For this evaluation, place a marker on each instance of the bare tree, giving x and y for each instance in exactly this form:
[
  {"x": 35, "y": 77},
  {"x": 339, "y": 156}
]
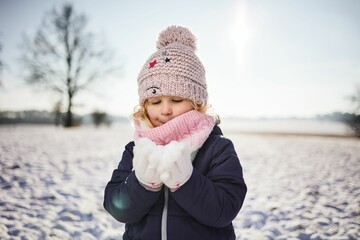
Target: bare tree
[
  {"x": 100, "y": 118},
  {"x": 354, "y": 119},
  {"x": 62, "y": 55},
  {"x": 355, "y": 98}
]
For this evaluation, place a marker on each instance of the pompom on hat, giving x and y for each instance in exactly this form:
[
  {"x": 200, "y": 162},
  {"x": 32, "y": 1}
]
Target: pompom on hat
[{"x": 174, "y": 69}]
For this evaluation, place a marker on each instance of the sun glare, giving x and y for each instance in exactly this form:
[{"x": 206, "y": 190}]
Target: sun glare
[{"x": 239, "y": 34}]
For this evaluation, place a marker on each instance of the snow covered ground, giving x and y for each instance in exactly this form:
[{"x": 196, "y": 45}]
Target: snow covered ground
[{"x": 52, "y": 182}]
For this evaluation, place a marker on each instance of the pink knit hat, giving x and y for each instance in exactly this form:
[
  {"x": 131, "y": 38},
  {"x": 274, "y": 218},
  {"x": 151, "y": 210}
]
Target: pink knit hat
[{"x": 174, "y": 69}]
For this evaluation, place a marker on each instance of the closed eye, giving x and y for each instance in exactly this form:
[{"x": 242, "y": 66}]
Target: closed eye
[
  {"x": 177, "y": 100},
  {"x": 155, "y": 102}
]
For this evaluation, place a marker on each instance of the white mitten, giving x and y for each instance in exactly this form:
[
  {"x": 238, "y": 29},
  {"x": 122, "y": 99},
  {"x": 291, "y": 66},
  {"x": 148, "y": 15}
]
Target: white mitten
[
  {"x": 146, "y": 159},
  {"x": 175, "y": 167}
]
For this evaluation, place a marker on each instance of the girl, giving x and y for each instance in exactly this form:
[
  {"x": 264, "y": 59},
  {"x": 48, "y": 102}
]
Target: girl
[{"x": 180, "y": 178}]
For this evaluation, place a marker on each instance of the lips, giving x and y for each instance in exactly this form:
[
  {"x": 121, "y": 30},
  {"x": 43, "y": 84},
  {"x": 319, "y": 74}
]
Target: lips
[{"x": 161, "y": 122}]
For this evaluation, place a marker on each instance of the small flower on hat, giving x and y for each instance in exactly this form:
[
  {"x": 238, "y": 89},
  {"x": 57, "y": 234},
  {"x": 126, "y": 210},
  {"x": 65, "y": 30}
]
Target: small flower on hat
[{"x": 152, "y": 64}]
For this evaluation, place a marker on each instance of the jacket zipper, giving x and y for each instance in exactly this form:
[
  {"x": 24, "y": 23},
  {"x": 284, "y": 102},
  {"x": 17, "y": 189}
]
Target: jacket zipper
[{"x": 164, "y": 214}]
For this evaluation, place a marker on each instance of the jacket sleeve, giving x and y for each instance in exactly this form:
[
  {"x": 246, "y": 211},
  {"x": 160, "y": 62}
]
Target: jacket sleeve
[
  {"x": 124, "y": 196},
  {"x": 214, "y": 199}
]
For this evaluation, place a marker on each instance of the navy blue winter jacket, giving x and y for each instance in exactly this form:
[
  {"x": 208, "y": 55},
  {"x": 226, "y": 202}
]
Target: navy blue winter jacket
[{"x": 203, "y": 208}]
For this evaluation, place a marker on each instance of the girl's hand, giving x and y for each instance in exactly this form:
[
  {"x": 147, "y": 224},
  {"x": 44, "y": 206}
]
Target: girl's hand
[
  {"x": 175, "y": 167},
  {"x": 146, "y": 159}
]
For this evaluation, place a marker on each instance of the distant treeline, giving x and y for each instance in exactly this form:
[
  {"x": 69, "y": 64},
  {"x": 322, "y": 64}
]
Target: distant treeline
[
  {"x": 351, "y": 119},
  {"x": 101, "y": 118},
  {"x": 337, "y": 116},
  {"x": 32, "y": 117},
  {"x": 45, "y": 117}
]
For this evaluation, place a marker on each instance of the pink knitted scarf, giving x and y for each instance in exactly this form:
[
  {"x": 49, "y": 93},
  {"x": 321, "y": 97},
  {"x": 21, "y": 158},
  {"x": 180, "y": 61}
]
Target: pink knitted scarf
[{"x": 192, "y": 127}]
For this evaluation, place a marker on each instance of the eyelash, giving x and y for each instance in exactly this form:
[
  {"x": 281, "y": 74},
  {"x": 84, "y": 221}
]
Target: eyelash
[{"x": 173, "y": 100}]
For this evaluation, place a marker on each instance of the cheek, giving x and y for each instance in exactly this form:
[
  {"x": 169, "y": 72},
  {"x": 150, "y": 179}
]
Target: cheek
[
  {"x": 152, "y": 113},
  {"x": 184, "y": 108}
]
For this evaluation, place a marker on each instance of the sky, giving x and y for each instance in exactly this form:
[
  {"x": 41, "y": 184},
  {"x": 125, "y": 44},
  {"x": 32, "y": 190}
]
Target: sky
[{"x": 263, "y": 58}]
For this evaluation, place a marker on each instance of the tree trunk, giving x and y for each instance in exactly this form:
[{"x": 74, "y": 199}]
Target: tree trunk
[{"x": 69, "y": 117}]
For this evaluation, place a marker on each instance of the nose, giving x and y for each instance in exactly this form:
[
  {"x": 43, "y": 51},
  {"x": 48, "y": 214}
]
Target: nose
[{"x": 166, "y": 109}]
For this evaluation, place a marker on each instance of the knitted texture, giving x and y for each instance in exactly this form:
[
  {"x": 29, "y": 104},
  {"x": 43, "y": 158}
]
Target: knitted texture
[
  {"x": 174, "y": 69},
  {"x": 191, "y": 127}
]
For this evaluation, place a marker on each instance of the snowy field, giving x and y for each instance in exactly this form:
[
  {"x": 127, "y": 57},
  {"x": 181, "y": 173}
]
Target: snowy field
[{"x": 52, "y": 182}]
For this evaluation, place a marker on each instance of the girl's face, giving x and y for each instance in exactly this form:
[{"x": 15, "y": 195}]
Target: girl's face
[{"x": 164, "y": 108}]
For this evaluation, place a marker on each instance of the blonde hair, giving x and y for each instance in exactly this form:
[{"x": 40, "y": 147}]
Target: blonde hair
[{"x": 140, "y": 113}]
